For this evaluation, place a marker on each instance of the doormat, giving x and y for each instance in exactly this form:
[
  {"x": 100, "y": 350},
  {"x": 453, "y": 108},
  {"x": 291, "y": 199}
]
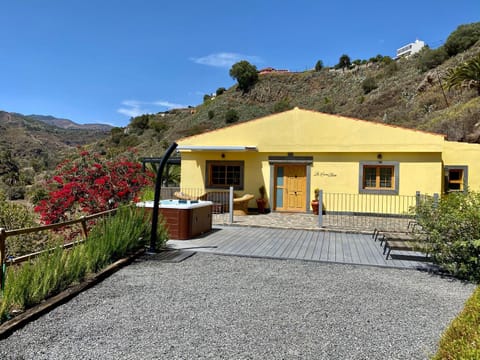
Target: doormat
[{"x": 173, "y": 256}]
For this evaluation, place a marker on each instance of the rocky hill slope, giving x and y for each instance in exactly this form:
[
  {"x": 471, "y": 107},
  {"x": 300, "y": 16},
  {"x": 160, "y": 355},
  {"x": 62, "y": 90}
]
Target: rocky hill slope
[{"x": 396, "y": 92}]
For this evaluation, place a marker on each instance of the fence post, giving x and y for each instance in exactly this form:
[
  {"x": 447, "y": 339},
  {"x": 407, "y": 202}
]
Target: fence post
[
  {"x": 84, "y": 227},
  {"x": 435, "y": 200},
  {"x": 320, "y": 208},
  {"x": 230, "y": 205},
  {"x": 417, "y": 199},
  {"x": 3, "y": 237}
]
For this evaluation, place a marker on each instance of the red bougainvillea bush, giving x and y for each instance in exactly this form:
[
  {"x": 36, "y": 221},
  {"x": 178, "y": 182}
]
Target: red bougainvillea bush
[{"x": 90, "y": 184}]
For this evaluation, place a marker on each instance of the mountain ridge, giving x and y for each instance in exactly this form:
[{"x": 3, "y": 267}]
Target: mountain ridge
[
  {"x": 29, "y": 140},
  {"x": 68, "y": 124}
]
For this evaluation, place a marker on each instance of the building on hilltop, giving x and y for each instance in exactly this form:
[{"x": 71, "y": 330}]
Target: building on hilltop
[
  {"x": 270, "y": 70},
  {"x": 410, "y": 49}
]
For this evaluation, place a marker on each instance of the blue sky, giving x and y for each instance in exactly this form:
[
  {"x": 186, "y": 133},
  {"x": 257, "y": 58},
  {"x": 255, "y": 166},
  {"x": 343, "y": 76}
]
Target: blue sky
[{"x": 108, "y": 60}]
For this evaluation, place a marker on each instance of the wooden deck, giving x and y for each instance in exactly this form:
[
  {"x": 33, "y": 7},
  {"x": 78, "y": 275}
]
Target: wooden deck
[{"x": 309, "y": 245}]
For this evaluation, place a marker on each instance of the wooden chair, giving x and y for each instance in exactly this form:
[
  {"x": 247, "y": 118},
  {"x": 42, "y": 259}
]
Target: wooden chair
[
  {"x": 182, "y": 196},
  {"x": 240, "y": 204}
]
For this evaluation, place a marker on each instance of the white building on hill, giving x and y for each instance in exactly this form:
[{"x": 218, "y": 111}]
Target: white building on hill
[{"x": 410, "y": 49}]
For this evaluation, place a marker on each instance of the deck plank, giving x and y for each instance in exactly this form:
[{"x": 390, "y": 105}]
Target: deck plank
[
  {"x": 268, "y": 242},
  {"x": 316, "y": 245},
  {"x": 300, "y": 246},
  {"x": 287, "y": 253},
  {"x": 309, "y": 246},
  {"x": 322, "y": 238},
  {"x": 346, "y": 242}
]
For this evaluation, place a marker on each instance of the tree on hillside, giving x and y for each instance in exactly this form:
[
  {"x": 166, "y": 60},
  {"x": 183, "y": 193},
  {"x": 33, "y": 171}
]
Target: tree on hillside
[
  {"x": 344, "y": 62},
  {"x": 140, "y": 122},
  {"x": 467, "y": 74},
  {"x": 245, "y": 73},
  {"x": 462, "y": 38},
  {"x": 430, "y": 58},
  {"x": 319, "y": 65}
]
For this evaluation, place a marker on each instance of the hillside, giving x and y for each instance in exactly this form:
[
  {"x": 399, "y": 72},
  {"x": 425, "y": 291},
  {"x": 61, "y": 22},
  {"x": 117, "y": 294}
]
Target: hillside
[
  {"x": 33, "y": 143},
  {"x": 402, "y": 95},
  {"x": 69, "y": 124}
]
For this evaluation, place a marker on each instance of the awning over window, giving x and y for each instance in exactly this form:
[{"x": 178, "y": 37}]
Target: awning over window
[{"x": 216, "y": 148}]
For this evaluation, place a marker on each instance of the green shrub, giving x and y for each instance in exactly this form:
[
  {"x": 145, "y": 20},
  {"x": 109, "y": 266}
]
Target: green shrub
[
  {"x": 462, "y": 38},
  {"x": 129, "y": 141},
  {"x": 140, "y": 122},
  {"x": 368, "y": 85},
  {"x": 327, "y": 107},
  {"x": 37, "y": 193},
  {"x": 428, "y": 59},
  {"x": 147, "y": 193},
  {"x": 282, "y": 105},
  {"x": 343, "y": 62},
  {"x": 391, "y": 68},
  {"x": 220, "y": 91},
  {"x": 157, "y": 124},
  {"x": 453, "y": 227},
  {"x": 319, "y": 65},
  {"x": 113, "y": 237},
  {"x": 17, "y": 216},
  {"x": 461, "y": 340},
  {"x": 231, "y": 116},
  {"x": 211, "y": 114},
  {"x": 34, "y": 281},
  {"x": 16, "y": 192}
]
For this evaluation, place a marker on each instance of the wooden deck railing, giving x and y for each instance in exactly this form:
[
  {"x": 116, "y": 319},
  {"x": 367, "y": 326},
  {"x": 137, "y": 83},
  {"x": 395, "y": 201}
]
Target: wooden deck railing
[{"x": 4, "y": 234}]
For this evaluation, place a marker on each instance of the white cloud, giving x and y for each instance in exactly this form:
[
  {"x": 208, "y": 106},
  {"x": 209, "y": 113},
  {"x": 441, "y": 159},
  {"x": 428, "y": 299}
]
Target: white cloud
[
  {"x": 224, "y": 59},
  {"x": 168, "y": 104},
  {"x": 133, "y": 108},
  {"x": 133, "y": 112}
]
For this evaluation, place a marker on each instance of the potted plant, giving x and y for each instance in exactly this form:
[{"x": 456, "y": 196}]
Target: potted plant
[
  {"x": 315, "y": 202},
  {"x": 261, "y": 201}
]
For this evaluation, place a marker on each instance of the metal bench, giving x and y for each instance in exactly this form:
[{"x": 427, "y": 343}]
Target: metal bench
[{"x": 404, "y": 245}]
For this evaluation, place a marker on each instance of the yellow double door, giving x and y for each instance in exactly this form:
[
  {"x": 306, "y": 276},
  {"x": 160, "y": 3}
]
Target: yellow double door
[{"x": 290, "y": 188}]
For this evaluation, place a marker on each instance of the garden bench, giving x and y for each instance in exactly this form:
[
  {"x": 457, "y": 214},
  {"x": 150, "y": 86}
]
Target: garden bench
[
  {"x": 410, "y": 229},
  {"x": 409, "y": 240},
  {"x": 404, "y": 245}
]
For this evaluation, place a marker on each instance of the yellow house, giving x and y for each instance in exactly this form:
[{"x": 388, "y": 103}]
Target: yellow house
[{"x": 294, "y": 152}]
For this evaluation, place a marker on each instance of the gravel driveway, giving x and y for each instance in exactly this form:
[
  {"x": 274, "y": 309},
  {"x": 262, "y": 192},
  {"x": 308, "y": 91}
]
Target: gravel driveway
[{"x": 225, "y": 307}]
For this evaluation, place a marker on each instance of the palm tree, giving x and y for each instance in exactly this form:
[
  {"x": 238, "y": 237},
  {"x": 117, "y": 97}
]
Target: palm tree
[{"x": 467, "y": 74}]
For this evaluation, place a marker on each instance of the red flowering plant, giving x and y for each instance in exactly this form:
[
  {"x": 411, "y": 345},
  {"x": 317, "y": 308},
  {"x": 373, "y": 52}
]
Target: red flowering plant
[{"x": 90, "y": 184}]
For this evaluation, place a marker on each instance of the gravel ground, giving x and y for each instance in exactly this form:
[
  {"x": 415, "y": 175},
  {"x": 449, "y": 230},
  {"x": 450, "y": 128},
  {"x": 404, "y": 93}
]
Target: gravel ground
[{"x": 225, "y": 307}]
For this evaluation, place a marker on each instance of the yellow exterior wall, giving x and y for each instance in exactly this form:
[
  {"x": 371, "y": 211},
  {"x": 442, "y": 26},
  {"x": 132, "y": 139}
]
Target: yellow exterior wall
[
  {"x": 339, "y": 173},
  {"x": 337, "y": 145},
  {"x": 464, "y": 154},
  {"x": 306, "y": 131}
]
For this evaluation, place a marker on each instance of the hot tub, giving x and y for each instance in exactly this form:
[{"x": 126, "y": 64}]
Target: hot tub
[{"x": 184, "y": 219}]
